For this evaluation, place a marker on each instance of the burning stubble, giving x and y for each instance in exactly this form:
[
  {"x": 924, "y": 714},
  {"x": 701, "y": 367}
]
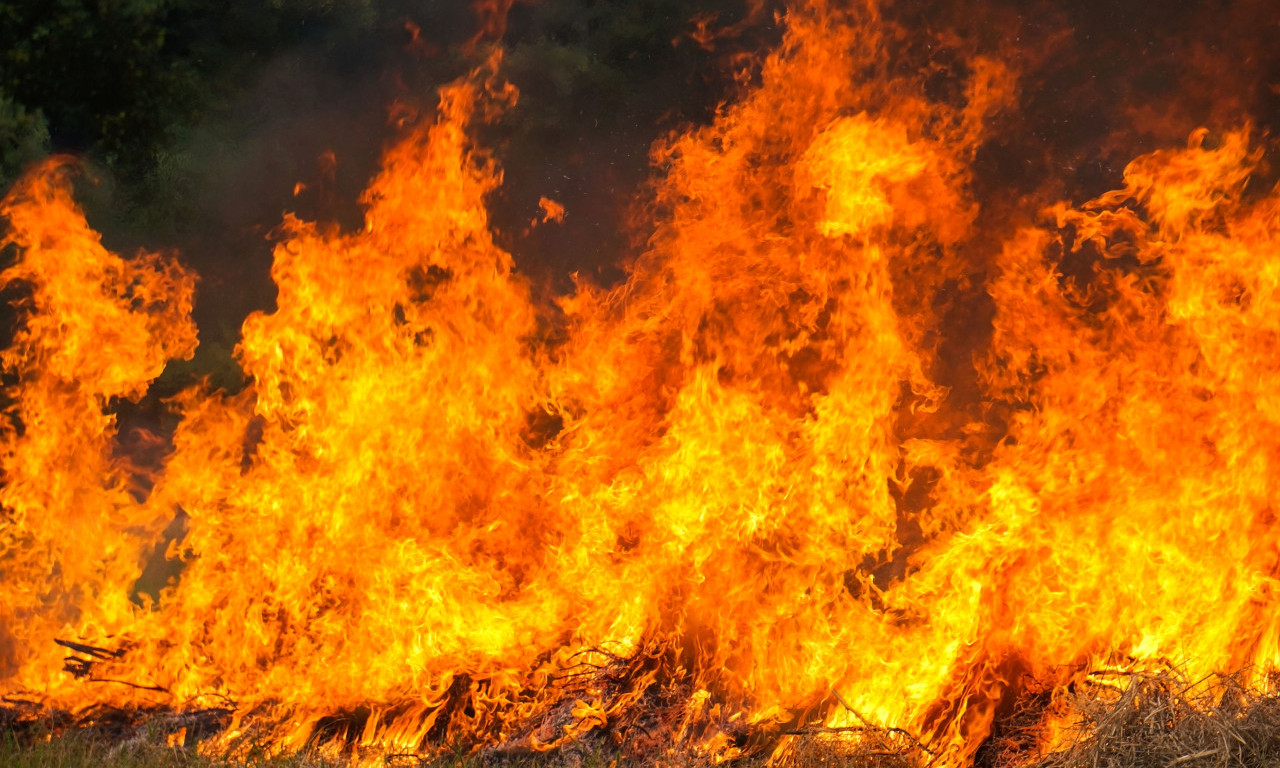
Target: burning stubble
[{"x": 856, "y": 420}]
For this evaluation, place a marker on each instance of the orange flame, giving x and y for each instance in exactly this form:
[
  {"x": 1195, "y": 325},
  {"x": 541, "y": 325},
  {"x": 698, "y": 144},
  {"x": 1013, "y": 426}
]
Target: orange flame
[
  {"x": 551, "y": 211},
  {"x": 756, "y": 472},
  {"x": 97, "y": 328}
]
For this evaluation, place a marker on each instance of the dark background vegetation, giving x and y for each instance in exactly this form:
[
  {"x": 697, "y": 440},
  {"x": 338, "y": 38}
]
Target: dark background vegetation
[{"x": 197, "y": 117}]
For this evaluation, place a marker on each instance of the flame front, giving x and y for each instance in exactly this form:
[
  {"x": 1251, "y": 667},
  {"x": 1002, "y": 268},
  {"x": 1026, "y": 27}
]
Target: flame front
[{"x": 777, "y": 461}]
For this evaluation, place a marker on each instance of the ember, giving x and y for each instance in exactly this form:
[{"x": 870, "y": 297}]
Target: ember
[{"x": 855, "y": 450}]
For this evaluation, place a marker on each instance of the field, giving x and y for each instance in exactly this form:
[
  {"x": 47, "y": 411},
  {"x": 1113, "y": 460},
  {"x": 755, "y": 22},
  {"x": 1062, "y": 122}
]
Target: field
[
  {"x": 89, "y": 750},
  {"x": 1155, "y": 721},
  {"x": 906, "y": 394}
]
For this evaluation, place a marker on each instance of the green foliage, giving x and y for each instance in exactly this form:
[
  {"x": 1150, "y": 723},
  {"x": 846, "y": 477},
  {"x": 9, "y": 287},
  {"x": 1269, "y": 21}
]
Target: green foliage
[
  {"x": 198, "y": 116},
  {"x": 24, "y": 139},
  {"x": 614, "y": 63},
  {"x": 98, "y": 71},
  {"x": 117, "y": 78},
  {"x": 122, "y": 80}
]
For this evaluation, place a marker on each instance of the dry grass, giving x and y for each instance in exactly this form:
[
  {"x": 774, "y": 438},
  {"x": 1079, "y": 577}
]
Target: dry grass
[
  {"x": 1135, "y": 721},
  {"x": 1132, "y": 721},
  {"x": 151, "y": 745},
  {"x": 1165, "y": 721},
  {"x": 862, "y": 748}
]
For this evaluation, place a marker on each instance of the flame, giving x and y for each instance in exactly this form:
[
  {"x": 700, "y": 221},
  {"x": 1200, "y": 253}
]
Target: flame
[
  {"x": 767, "y": 482},
  {"x": 551, "y": 211},
  {"x": 97, "y": 329}
]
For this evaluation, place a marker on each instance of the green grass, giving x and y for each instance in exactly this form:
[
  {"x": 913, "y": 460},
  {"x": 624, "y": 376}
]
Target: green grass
[
  {"x": 96, "y": 748},
  {"x": 87, "y": 749}
]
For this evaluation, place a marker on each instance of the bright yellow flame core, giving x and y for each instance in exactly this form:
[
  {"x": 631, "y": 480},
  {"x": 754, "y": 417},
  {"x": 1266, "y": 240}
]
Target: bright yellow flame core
[{"x": 384, "y": 518}]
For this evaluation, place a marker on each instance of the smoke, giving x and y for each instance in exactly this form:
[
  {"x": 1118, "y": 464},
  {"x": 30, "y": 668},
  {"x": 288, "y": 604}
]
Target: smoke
[{"x": 302, "y": 128}]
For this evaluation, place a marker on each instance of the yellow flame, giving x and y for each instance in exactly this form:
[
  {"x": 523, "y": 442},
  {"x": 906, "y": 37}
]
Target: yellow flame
[{"x": 742, "y": 479}]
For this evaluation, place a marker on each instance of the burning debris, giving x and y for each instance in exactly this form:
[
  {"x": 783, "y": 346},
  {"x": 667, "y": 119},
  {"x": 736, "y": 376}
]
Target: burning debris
[{"x": 858, "y": 421}]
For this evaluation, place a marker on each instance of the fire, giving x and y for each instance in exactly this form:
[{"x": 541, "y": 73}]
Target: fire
[
  {"x": 766, "y": 483},
  {"x": 97, "y": 328}
]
